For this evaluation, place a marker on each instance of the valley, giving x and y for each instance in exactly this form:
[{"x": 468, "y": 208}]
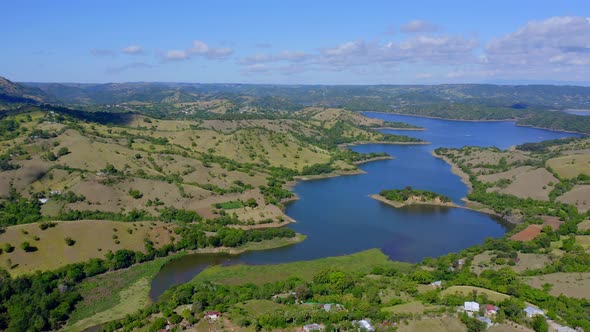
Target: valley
[{"x": 256, "y": 203}]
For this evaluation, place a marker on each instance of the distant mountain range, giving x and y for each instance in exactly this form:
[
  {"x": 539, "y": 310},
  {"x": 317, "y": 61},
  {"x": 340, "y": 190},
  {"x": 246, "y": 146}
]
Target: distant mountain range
[
  {"x": 376, "y": 97},
  {"x": 11, "y": 92}
]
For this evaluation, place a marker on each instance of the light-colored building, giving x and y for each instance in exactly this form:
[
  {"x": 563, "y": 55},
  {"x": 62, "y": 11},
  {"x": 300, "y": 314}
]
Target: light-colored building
[
  {"x": 471, "y": 306},
  {"x": 366, "y": 325},
  {"x": 212, "y": 315},
  {"x": 532, "y": 311}
]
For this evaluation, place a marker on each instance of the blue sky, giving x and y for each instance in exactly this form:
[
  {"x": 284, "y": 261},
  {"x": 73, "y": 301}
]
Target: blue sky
[{"x": 296, "y": 42}]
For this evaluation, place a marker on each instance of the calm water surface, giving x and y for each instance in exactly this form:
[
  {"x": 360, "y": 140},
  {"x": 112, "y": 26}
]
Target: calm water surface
[
  {"x": 339, "y": 218},
  {"x": 578, "y": 112}
]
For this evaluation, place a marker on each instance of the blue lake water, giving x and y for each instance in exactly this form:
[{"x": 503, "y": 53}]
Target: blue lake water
[
  {"x": 578, "y": 112},
  {"x": 339, "y": 217}
]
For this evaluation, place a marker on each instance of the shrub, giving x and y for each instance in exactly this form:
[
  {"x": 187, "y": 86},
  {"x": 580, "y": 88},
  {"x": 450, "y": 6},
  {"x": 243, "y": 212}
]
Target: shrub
[
  {"x": 8, "y": 247},
  {"x": 69, "y": 241},
  {"x": 135, "y": 194},
  {"x": 62, "y": 152},
  {"x": 175, "y": 319},
  {"x": 26, "y": 246},
  {"x": 45, "y": 225}
]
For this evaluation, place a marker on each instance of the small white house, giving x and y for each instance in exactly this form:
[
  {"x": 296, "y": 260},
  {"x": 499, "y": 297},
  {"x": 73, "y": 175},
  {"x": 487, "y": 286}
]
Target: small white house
[
  {"x": 212, "y": 315},
  {"x": 364, "y": 324},
  {"x": 532, "y": 311},
  {"x": 437, "y": 284},
  {"x": 471, "y": 306},
  {"x": 43, "y": 200}
]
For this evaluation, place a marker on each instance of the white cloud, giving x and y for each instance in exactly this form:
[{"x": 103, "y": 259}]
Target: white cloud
[
  {"x": 415, "y": 26},
  {"x": 133, "y": 49},
  {"x": 557, "y": 48},
  {"x": 563, "y": 41},
  {"x": 176, "y": 55},
  {"x": 365, "y": 56},
  {"x": 436, "y": 50},
  {"x": 346, "y": 49},
  {"x": 200, "y": 48}
]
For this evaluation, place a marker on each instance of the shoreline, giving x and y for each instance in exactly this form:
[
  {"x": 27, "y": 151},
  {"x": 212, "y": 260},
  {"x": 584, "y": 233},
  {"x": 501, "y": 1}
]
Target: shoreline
[
  {"x": 557, "y": 130},
  {"x": 398, "y": 205},
  {"x": 441, "y": 118},
  {"x": 475, "y": 206},
  {"x": 478, "y": 207},
  {"x": 250, "y": 246},
  {"x": 508, "y": 218},
  {"x": 360, "y": 162},
  {"x": 483, "y": 120},
  {"x": 327, "y": 175},
  {"x": 289, "y": 185},
  {"x": 383, "y": 142},
  {"x": 401, "y": 129},
  {"x": 457, "y": 171}
]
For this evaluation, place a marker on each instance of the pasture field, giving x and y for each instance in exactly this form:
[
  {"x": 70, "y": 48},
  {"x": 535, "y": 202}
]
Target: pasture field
[
  {"x": 468, "y": 290},
  {"x": 526, "y": 261},
  {"x": 534, "y": 183},
  {"x": 570, "y": 166},
  {"x": 93, "y": 239},
  {"x": 442, "y": 324},
  {"x": 364, "y": 261},
  {"x": 578, "y": 196},
  {"x": 114, "y": 294},
  {"x": 570, "y": 284},
  {"x": 413, "y": 307}
]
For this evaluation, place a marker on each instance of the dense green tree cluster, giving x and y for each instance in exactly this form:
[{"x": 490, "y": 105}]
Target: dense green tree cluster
[
  {"x": 558, "y": 121},
  {"x": 69, "y": 197},
  {"x": 542, "y": 147},
  {"x": 174, "y": 214},
  {"x": 16, "y": 209},
  {"x": 353, "y": 156},
  {"x": 402, "y": 195},
  {"x": 35, "y": 303},
  {"x": 134, "y": 215},
  {"x": 9, "y": 129},
  {"x": 274, "y": 192},
  {"x": 317, "y": 169}
]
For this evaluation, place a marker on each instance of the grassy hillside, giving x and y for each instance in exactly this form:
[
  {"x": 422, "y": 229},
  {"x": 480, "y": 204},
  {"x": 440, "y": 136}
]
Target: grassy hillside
[
  {"x": 91, "y": 239},
  {"x": 60, "y": 164},
  {"x": 551, "y": 171}
]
